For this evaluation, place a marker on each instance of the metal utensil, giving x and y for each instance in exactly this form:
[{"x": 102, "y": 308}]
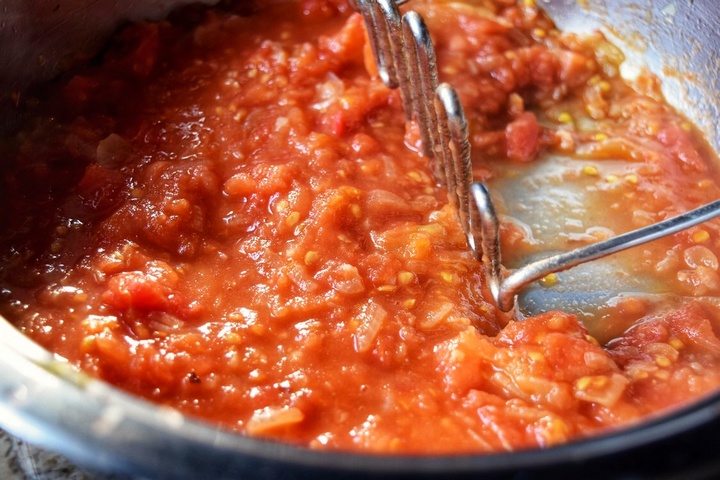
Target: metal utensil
[{"x": 406, "y": 59}]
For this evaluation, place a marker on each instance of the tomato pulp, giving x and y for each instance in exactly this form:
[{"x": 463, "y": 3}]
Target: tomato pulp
[{"x": 227, "y": 214}]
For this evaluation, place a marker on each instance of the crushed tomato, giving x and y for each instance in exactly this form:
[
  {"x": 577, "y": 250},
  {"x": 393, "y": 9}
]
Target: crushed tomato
[{"x": 222, "y": 215}]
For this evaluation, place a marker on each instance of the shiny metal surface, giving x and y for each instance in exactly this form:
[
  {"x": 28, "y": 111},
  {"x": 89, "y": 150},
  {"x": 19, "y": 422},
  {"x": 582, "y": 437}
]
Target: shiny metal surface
[
  {"x": 676, "y": 39},
  {"x": 41, "y": 38},
  {"x": 505, "y": 290},
  {"x": 50, "y": 405}
]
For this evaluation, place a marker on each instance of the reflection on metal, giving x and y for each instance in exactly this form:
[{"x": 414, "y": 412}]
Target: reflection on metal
[
  {"x": 505, "y": 290},
  {"x": 677, "y": 40}
]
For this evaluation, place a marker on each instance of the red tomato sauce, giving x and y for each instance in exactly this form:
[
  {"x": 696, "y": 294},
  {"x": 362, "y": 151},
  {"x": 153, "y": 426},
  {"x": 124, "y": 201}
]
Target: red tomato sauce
[{"x": 222, "y": 214}]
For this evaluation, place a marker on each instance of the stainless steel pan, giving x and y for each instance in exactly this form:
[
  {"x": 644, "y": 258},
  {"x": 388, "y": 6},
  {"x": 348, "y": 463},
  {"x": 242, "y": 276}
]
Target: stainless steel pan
[{"x": 47, "y": 404}]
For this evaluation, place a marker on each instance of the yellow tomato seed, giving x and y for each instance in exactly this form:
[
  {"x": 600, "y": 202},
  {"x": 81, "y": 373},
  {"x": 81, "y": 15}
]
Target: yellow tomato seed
[
  {"x": 409, "y": 303},
  {"x": 311, "y": 257},
  {"x": 700, "y": 236},
  {"x": 676, "y": 343},
  {"x": 448, "y": 277},
  {"x": 558, "y": 322},
  {"x": 405, "y": 278},
  {"x": 583, "y": 383},
  {"x": 565, "y": 117},
  {"x": 536, "y": 356},
  {"x": 590, "y": 170},
  {"x": 549, "y": 280},
  {"x": 292, "y": 219},
  {"x": 662, "y": 361},
  {"x": 415, "y": 176}
]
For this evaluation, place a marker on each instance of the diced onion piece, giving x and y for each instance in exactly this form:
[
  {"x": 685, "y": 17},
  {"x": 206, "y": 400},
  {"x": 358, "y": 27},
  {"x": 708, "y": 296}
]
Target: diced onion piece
[
  {"x": 602, "y": 389},
  {"x": 384, "y": 202},
  {"x": 113, "y": 151},
  {"x": 698, "y": 255},
  {"x": 161, "y": 321},
  {"x": 371, "y": 319},
  {"x": 346, "y": 279},
  {"x": 272, "y": 418},
  {"x": 437, "y": 314}
]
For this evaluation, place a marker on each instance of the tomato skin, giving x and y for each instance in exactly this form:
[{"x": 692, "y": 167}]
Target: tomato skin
[
  {"x": 523, "y": 138},
  {"x": 136, "y": 291}
]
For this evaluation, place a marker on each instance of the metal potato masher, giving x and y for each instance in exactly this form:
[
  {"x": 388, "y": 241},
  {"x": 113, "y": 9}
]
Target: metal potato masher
[{"x": 405, "y": 58}]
